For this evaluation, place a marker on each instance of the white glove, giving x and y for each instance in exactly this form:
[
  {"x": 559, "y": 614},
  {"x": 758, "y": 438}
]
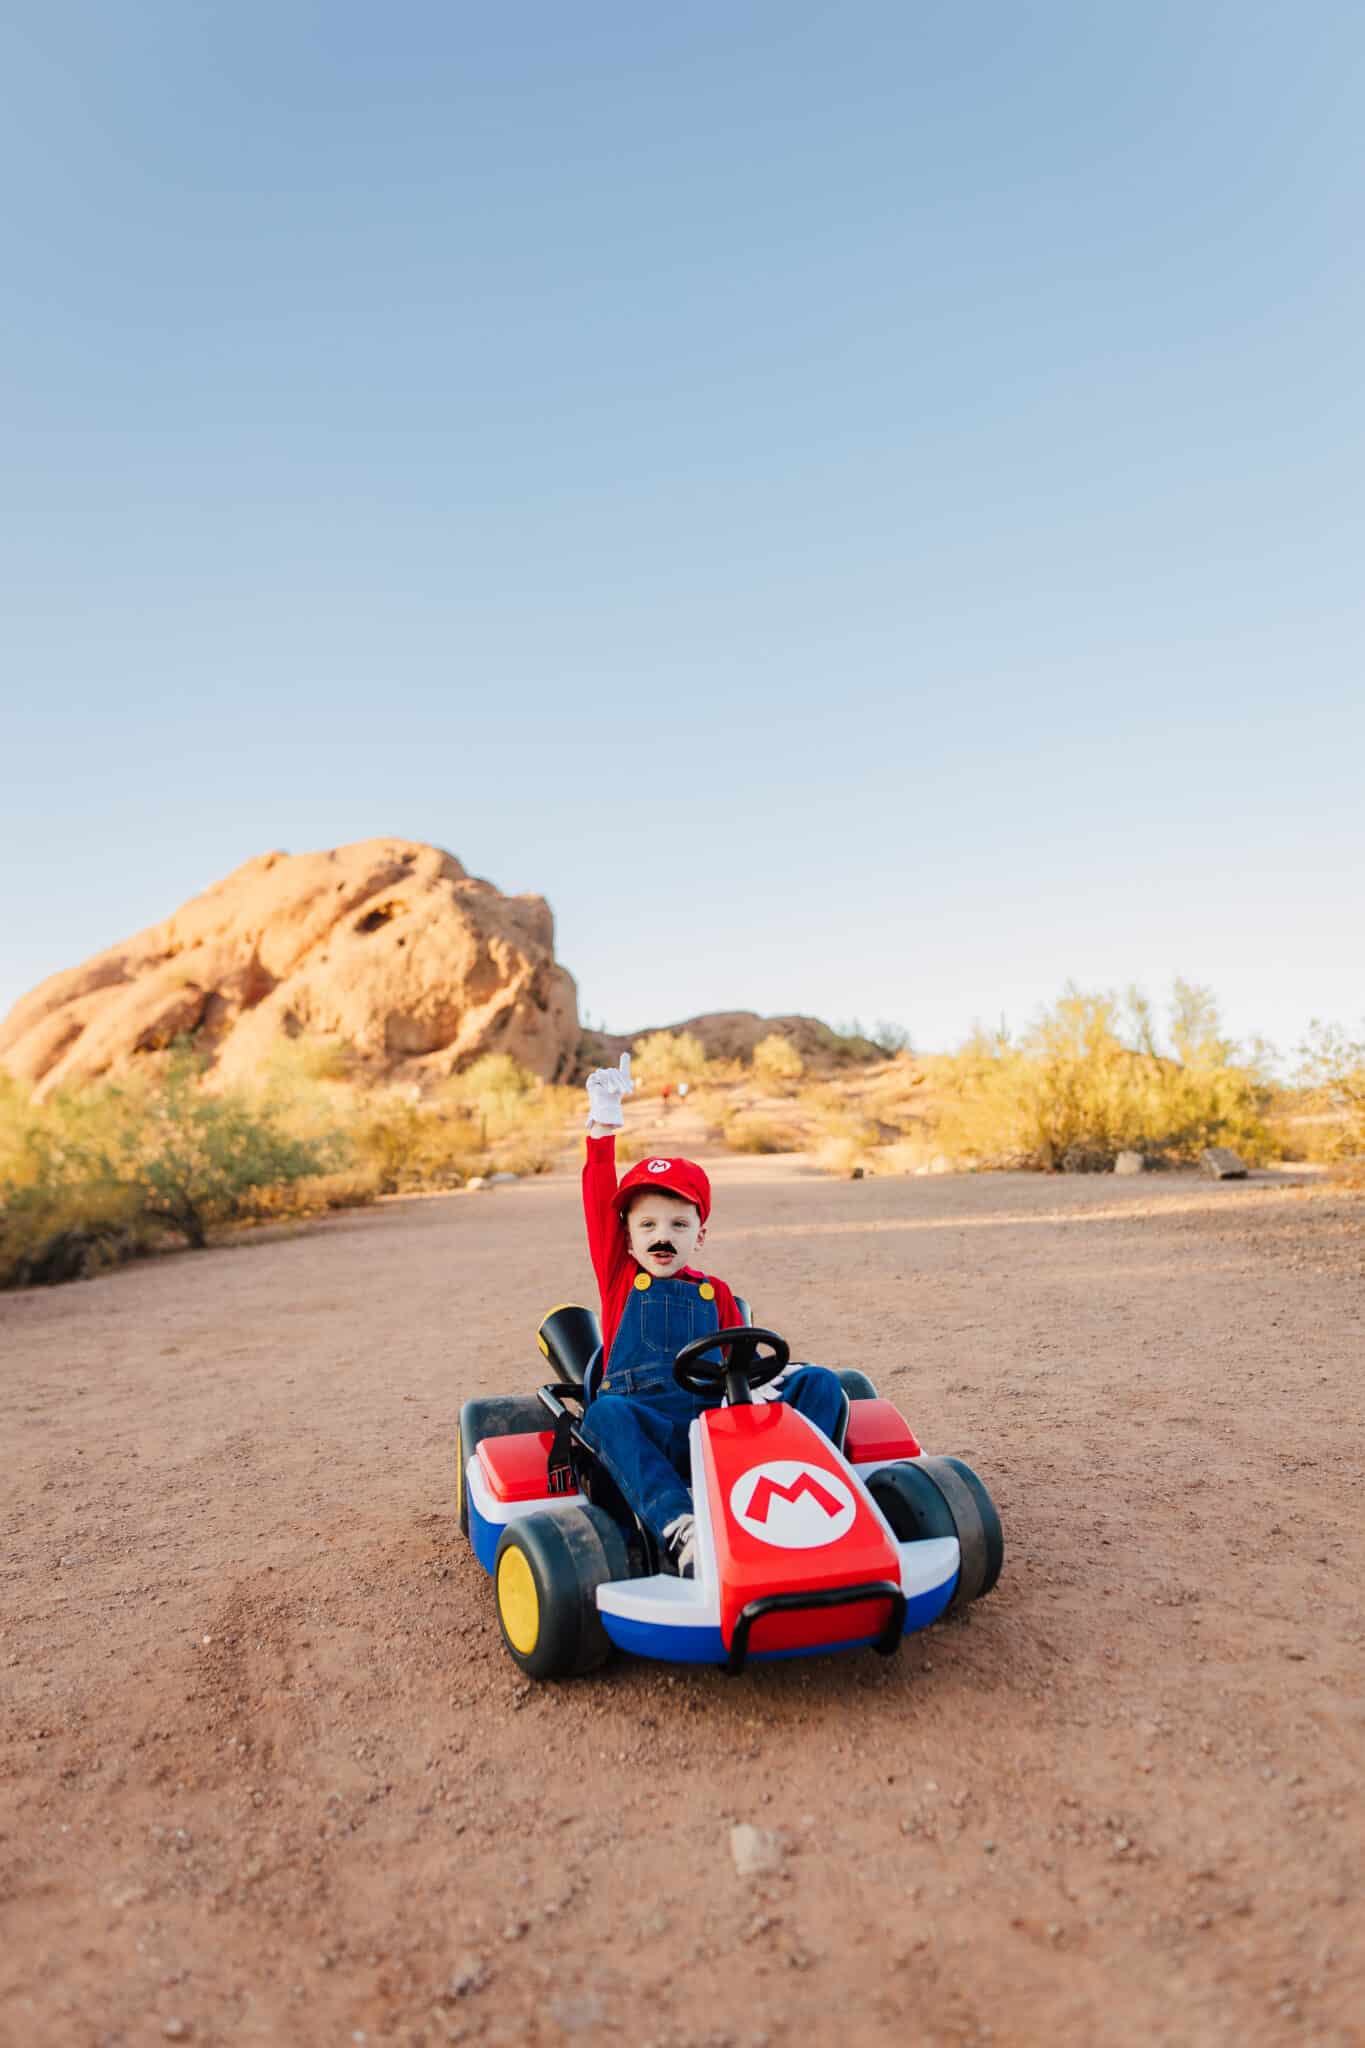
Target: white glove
[{"x": 606, "y": 1088}]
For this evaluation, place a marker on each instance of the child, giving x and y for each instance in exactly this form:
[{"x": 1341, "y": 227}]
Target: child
[{"x": 641, "y": 1236}]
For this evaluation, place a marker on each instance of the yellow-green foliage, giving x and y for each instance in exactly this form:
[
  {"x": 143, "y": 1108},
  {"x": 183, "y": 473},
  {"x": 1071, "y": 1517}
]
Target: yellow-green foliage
[
  {"x": 494, "y": 1115},
  {"x": 89, "y": 1178},
  {"x": 86, "y": 1179},
  {"x": 522, "y": 1121},
  {"x": 846, "y": 1137},
  {"x": 494, "y": 1085},
  {"x": 746, "y": 1132},
  {"x": 402, "y": 1145},
  {"x": 1332, "y": 1073},
  {"x": 667, "y": 1057},
  {"x": 777, "y": 1061},
  {"x": 1088, "y": 1082}
]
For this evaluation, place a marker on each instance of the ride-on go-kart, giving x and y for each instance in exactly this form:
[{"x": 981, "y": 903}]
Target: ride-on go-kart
[{"x": 803, "y": 1544}]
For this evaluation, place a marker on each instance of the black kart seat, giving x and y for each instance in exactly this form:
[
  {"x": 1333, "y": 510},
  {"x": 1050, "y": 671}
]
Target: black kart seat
[
  {"x": 746, "y": 1314},
  {"x": 568, "y": 1337}
]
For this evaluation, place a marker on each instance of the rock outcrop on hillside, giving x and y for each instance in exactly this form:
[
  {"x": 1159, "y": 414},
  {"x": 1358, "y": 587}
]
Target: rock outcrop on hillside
[
  {"x": 388, "y": 946},
  {"x": 732, "y": 1035}
]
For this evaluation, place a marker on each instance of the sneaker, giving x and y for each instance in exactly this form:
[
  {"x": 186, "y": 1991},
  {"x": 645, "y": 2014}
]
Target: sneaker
[{"x": 680, "y": 1539}]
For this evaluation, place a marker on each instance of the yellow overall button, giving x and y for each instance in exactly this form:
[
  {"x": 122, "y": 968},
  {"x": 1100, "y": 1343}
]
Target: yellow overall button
[
  {"x": 642, "y": 1280},
  {"x": 707, "y": 1291}
]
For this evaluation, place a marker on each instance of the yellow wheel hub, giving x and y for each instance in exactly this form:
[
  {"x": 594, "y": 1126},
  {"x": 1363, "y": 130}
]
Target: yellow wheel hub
[
  {"x": 459, "y": 1472},
  {"x": 518, "y": 1601}
]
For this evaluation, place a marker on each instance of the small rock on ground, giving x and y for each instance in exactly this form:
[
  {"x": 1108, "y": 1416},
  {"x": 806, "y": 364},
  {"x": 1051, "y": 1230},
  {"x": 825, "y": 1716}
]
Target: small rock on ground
[{"x": 755, "y": 1850}]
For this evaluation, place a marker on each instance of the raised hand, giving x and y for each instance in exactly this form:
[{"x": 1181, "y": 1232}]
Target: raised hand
[{"x": 607, "y": 1086}]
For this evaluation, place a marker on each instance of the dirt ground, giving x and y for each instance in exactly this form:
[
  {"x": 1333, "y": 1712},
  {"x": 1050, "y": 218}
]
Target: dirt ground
[{"x": 270, "y": 1776}]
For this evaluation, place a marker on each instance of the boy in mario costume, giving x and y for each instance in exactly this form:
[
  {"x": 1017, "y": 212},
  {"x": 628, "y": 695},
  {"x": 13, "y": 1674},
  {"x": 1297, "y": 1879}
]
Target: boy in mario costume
[{"x": 642, "y": 1235}]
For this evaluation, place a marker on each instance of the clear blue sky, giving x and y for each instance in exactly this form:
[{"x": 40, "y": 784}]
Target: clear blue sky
[{"x": 860, "y": 506}]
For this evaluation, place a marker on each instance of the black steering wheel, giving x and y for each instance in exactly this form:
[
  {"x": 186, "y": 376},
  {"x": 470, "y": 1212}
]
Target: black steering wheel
[{"x": 698, "y": 1374}]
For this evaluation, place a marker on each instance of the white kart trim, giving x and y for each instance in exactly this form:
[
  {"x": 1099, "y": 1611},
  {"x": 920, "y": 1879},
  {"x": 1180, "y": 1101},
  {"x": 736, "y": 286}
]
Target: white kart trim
[
  {"x": 928, "y": 1564},
  {"x": 500, "y": 1511},
  {"x": 666, "y": 1602},
  {"x": 662, "y": 1600}
]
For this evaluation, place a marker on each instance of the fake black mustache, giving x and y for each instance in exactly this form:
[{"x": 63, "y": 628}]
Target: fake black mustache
[{"x": 664, "y": 1246}]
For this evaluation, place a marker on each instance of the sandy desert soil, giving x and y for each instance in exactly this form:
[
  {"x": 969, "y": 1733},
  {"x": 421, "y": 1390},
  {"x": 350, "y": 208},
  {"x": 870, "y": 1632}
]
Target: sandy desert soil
[{"x": 269, "y": 1775}]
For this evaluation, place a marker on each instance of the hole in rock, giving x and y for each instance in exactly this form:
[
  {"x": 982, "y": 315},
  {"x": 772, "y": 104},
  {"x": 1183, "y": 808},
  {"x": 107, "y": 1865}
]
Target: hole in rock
[{"x": 380, "y": 915}]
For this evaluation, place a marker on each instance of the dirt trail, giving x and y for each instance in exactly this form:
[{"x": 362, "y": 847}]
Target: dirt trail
[{"x": 270, "y": 1777}]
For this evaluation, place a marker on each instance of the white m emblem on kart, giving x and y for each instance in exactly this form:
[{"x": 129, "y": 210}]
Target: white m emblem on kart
[{"x": 792, "y": 1505}]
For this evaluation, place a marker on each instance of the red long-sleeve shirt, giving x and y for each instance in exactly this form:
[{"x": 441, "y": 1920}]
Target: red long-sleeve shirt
[{"x": 612, "y": 1260}]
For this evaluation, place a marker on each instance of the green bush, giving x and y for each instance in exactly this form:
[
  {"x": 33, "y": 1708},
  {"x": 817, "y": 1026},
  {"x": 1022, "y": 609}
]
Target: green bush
[
  {"x": 1089, "y": 1082},
  {"x": 494, "y": 1115},
  {"x": 1332, "y": 1074},
  {"x": 197, "y": 1158},
  {"x": 521, "y": 1122},
  {"x": 663, "y": 1058},
  {"x": 777, "y": 1061},
  {"x": 89, "y": 1178},
  {"x": 848, "y": 1043},
  {"x": 495, "y": 1082},
  {"x": 403, "y": 1145},
  {"x": 747, "y": 1133}
]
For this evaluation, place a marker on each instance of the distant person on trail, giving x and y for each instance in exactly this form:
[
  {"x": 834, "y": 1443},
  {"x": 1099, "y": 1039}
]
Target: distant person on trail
[{"x": 642, "y": 1234}]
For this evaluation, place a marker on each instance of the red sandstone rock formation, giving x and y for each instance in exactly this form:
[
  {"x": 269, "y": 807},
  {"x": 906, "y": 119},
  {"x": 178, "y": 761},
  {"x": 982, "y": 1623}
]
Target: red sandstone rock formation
[{"x": 388, "y": 946}]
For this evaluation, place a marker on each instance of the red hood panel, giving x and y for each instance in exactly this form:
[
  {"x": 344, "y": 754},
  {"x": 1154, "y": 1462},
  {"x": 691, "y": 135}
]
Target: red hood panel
[{"x": 788, "y": 1518}]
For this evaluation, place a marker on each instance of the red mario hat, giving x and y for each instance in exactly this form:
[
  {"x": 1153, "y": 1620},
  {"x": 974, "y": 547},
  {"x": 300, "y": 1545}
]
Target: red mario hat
[{"x": 680, "y": 1176}]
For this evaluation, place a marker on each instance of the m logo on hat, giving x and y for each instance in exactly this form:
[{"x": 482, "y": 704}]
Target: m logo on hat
[{"x": 681, "y": 1177}]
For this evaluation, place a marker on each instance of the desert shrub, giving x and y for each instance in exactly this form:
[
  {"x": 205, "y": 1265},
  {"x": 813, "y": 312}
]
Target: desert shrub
[
  {"x": 494, "y": 1115},
  {"x": 777, "y": 1061},
  {"x": 892, "y": 1095},
  {"x": 909, "y": 1156},
  {"x": 404, "y": 1145},
  {"x": 495, "y": 1082},
  {"x": 534, "y": 1139},
  {"x": 749, "y": 1133},
  {"x": 513, "y": 1119},
  {"x": 90, "y": 1177},
  {"x": 1331, "y": 1073},
  {"x": 889, "y": 1037},
  {"x": 54, "y": 1231},
  {"x": 844, "y": 1135},
  {"x": 294, "y": 1065},
  {"x": 1088, "y": 1082},
  {"x": 847, "y": 1043},
  {"x": 842, "y": 1152},
  {"x": 351, "y": 1188},
  {"x": 666, "y": 1057},
  {"x": 197, "y": 1158}
]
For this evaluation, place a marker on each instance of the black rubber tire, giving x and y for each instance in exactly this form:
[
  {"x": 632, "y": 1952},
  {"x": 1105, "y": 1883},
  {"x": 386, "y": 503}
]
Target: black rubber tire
[
  {"x": 944, "y": 1497},
  {"x": 989, "y": 1513},
  {"x": 911, "y": 1502},
  {"x": 498, "y": 1415},
  {"x": 857, "y": 1385},
  {"x": 568, "y": 1553}
]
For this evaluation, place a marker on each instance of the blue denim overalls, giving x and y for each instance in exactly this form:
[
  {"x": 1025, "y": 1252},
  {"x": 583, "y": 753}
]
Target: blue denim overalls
[{"x": 638, "y": 1421}]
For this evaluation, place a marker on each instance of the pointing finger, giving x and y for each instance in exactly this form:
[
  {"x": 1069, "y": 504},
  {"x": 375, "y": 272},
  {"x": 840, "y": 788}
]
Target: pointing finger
[{"x": 625, "y": 1068}]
